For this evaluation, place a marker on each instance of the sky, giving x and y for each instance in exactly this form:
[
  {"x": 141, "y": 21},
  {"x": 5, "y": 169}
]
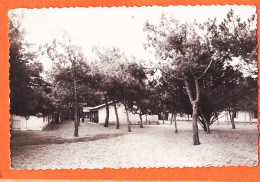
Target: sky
[{"x": 120, "y": 27}]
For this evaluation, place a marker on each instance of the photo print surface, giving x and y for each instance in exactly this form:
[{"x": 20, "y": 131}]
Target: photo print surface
[{"x": 133, "y": 87}]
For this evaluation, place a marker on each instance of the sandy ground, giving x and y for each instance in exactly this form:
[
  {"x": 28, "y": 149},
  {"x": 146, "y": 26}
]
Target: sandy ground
[{"x": 152, "y": 146}]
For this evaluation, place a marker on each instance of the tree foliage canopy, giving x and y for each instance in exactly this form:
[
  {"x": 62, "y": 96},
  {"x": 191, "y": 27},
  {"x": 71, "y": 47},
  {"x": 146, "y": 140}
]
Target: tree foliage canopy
[{"x": 30, "y": 94}]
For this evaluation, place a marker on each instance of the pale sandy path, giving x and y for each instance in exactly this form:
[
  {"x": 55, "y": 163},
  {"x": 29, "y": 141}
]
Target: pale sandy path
[{"x": 152, "y": 146}]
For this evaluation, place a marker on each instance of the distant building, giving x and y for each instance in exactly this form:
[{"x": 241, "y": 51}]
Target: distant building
[
  {"x": 98, "y": 114},
  {"x": 32, "y": 123},
  {"x": 181, "y": 117},
  {"x": 240, "y": 116}
]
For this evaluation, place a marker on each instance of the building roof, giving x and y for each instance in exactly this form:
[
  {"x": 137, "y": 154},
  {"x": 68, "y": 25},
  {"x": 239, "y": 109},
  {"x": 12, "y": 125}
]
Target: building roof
[{"x": 100, "y": 106}]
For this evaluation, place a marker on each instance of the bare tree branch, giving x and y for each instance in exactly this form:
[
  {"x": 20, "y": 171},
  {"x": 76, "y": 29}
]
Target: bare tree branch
[
  {"x": 205, "y": 71},
  {"x": 197, "y": 89}
]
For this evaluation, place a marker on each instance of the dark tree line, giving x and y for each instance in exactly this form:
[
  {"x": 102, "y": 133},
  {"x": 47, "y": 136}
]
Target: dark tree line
[{"x": 29, "y": 92}]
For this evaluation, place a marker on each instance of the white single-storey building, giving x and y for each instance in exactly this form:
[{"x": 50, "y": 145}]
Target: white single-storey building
[
  {"x": 32, "y": 123},
  {"x": 181, "y": 117},
  {"x": 240, "y": 116},
  {"x": 98, "y": 115}
]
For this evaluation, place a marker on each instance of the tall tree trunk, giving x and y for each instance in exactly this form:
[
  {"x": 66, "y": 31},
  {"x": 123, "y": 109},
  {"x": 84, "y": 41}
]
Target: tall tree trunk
[
  {"x": 208, "y": 128},
  {"x": 78, "y": 114},
  {"x": 90, "y": 117},
  {"x": 83, "y": 116},
  {"x": 126, "y": 111},
  {"x": 76, "y": 129},
  {"x": 206, "y": 123},
  {"x": 117, "y": 118},
  {"x": 146, "y": 121},
  {"x": 172, "y": 118},
  {"x": 163, "y": 117},
  {"x": 107, "y": 112},
  {"x": 128, "y": 120},
  {"x": 250, "y": 118},
  {"x": 141, "y": 120},
  {"x": 194, "y": 110},
  {"x": 175, "y": 122},
  {"x": 195, "y": 124},
  {"x": 203, "y": 124},
  {"x": 232, "y": 118}
]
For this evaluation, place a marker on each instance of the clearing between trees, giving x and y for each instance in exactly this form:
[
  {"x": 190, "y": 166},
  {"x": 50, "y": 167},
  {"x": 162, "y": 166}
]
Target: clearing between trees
[{"x": 151, "y": 146}]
